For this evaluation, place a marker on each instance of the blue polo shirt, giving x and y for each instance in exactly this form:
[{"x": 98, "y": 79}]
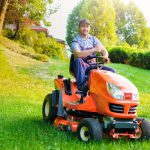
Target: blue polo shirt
[{"x": 84, "y": 44}]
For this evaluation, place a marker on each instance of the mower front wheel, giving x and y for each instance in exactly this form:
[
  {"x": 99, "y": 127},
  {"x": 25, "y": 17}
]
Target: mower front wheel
[
  {"x": 143, "y": 129},
  {"x": 89, "y": 129},
  {"x": 49, "y": 112}
]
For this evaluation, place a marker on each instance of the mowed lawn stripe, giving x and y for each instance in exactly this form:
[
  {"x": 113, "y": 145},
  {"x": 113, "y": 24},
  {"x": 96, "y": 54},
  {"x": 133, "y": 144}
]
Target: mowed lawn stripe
[{"x": 22, "y": 90}]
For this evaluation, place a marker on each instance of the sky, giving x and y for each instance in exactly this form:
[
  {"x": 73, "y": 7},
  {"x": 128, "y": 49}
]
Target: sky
[{"x": 59, "y": 19}]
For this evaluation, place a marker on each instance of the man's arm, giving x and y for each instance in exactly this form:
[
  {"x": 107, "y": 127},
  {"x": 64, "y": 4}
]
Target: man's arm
[
  {"x": 101, "y": 49},
  {"x": 79, "y": 53},
  {"x": 104, "y": 51}
]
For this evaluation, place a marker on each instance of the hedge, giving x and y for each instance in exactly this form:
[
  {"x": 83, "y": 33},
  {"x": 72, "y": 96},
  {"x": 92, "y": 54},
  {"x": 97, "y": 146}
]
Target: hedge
[{"x": 132, "y": 56}]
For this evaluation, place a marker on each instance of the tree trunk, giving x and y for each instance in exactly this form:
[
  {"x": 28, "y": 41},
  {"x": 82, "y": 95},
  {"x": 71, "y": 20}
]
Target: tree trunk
[{"x": 3, "y": 8}]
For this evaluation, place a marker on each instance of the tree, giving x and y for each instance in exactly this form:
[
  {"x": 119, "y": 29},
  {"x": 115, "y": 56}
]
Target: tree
[
  {"x": 131, "y": 24},
  {"x": 112, "y": 21},
  {"x": 33, "y": 9},
  {"x": 144, "y": 40},
  {"x": 72, "y": 24},
  {"x": 3, "y": 8},
  {"x": 120, "y": 10},
  {"x": 102, "y": 16}
]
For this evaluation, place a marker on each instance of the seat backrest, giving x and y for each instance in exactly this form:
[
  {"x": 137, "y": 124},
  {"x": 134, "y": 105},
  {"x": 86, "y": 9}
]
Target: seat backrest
[{"x": 71, "y": 70}]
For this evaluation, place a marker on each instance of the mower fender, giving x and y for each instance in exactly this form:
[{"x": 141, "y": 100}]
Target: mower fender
[{"x": 61, "y": 112}]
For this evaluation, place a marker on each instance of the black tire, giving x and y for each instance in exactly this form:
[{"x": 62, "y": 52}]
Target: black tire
[
  {"x": 49, "y": 112},
  {"x": 89, "y": 130},
  {"x": 144, "y": 129}
]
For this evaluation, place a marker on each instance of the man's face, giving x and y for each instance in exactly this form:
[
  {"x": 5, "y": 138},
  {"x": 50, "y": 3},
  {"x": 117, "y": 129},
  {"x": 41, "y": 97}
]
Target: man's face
[{"x": 84, "y": 29}]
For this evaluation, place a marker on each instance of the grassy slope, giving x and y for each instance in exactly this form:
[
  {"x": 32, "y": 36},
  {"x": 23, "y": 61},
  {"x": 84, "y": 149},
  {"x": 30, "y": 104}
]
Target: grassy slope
[
  {"x": 22, "y": 49},
  {"x": 23, "y": 84}
]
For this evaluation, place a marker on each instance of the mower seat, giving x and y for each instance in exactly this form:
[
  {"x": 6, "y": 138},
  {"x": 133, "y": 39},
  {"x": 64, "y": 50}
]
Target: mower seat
[{"x": 71, "y": 70}]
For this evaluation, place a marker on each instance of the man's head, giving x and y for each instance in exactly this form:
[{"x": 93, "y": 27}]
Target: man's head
[{"x": 84, "y": 27}]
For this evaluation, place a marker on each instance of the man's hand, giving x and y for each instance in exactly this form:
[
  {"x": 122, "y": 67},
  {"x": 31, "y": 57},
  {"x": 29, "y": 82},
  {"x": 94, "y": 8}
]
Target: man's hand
[
  {"x": 106, "y": 59},
  {"x": 103, "y": 51}
]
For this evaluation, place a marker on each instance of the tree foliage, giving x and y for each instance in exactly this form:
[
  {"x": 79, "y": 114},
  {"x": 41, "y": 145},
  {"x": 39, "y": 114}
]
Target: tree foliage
[
  {"x": 112, "y": 22},
  {"x": 72, "y": 24},
  {"x": 102, "y": 17},
  {"x": 131, "y": 24},
  {"x": 33, "y": 9}
]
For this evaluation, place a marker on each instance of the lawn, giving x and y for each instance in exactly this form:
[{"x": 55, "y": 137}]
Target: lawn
[{"x": 24, "y": 82}]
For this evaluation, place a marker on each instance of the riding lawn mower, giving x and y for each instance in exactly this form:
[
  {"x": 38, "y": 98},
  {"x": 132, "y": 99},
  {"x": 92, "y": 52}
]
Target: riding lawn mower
[{"x": 107, "y": 106}]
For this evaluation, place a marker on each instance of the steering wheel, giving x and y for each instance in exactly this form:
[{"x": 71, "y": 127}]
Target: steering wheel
[{"x": 99, "y": 62}]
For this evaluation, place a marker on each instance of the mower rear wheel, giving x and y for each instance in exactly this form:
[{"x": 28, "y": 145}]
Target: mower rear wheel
[
  {"x": 89, "y": 129},
  {"x": 49, "y": 112},
  {"x": 143, "y": 129}
]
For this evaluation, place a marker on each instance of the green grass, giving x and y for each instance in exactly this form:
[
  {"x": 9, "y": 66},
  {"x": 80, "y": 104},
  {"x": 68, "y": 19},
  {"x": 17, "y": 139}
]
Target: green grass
[{"x": 24, "y": 82}]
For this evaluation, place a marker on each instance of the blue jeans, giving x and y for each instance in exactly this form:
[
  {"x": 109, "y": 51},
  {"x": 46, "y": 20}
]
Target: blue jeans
[{"x": 79, "y": 68}]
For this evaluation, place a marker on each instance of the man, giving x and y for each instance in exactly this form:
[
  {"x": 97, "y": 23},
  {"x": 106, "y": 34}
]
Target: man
[{"x": 84, "y": 45}]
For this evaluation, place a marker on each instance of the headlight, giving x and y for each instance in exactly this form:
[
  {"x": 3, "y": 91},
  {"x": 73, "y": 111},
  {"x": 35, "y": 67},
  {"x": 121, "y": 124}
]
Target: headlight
[
  {"x": 115, "y": 91},
  {"x": 135, "y": 94}
]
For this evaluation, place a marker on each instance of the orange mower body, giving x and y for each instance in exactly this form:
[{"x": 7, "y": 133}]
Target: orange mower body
[{"x": 108, "y": 109}]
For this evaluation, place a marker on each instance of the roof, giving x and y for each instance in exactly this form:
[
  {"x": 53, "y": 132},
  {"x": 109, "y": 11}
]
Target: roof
[{"x": 39, "y": 28}]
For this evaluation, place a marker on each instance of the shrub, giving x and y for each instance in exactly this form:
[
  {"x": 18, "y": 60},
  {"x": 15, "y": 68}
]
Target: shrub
[
  {"x": 130, "y": 55},
  {"x": 147, "y": 60},
  {"x": 141, "y": 60},
  {"x": 118, "y": 55},
  {"x": 28, "y": 37},
  {"x": 42, "y": 44},
  {"x": 8, "y": 33}
]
